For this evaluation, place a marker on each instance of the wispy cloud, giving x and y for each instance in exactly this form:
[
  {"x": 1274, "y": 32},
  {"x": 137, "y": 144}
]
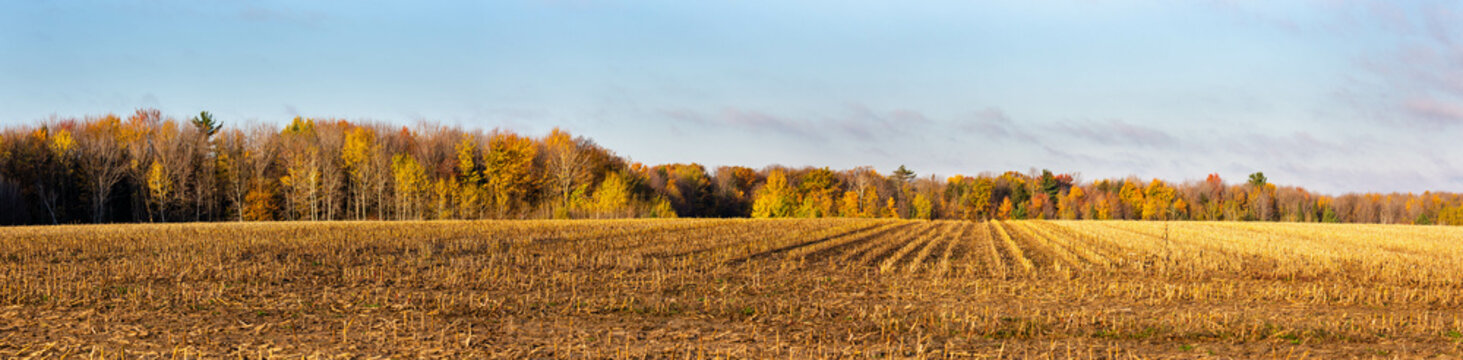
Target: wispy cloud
[
  {"x": 993, "y": 124},
  {"x": 1117, "y": 132},
  {"x": 864, "y": 123},
  {"x": 1264, "y": 148},
  {"x": 679, "y": 116},
  {"x": 1436, "y": 113},
  {"x": 1417, "y": 76},
  {"x": 758, "y": 121},
  {"x": 854, "y": 122},
  {"x": 1329, "y": 177},
  {"x": 751, "y": 121},
  {"x": 1071, "y": 157},
  {"x": 1410, "y": 62}
]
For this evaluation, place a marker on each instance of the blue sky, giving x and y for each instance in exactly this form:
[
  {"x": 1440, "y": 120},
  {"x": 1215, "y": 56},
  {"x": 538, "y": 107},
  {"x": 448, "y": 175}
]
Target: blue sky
[{"x": 1335, "y": 96}]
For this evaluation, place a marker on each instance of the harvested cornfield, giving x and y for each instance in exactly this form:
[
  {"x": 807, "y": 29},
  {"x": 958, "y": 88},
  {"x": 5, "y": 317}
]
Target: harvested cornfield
[{"x": 828, "y": 288}]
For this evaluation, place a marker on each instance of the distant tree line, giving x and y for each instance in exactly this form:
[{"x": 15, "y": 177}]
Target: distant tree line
[{"x": 150, "y": 168}]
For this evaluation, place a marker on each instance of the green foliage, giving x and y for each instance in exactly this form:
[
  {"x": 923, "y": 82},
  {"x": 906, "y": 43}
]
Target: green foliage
[
  {"x": 1258, "y": 179},
  {"x": 1422, "y": 219},
  {"x": 1049, "y": 184},
  {"x": 1020, "y": 212},
  {"x": 902, "y": 174},
  {"x": 206, "y": 124},
  {"x": 1329, "y": 216}
]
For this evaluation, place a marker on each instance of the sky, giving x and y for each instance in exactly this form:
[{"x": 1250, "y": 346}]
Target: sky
[{"x": 1333, "y": 95}]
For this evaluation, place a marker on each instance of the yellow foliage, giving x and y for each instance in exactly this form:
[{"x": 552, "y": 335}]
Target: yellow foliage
[
  {"x": 815, "y": 205},
  {"x": 612, "y": 198},
  {"x": 1102, "y": 208},
  {"x": 466, "y": 161},
  {"x": 774, "y": 199},
  {"x": 360, "y": 144},
  {"x": 61, "y": 142},
  {"x": 978, "y": 200},
  {"x": 411, "y": 182},
  {"x": 1067, "y": 206},
  {"x": 870, "y": 205},
  {"x": 443, "y": 191},
  {"x": 1131, "y": 195},
  {"x": 509, "y": 170},
  {"x": 260, "y": 204},
  {"x": 922, "y": 208},
  {"x": 299, "y": 126},
  {"x": 1451, "y": 215},
  {"x": 848, "y": 205},
  {"x": 662, "y": 209},
  {"x": 1158, "y": 198},
  {"x": 558, "y": 138},
  {"x": 158, "y": 184}
]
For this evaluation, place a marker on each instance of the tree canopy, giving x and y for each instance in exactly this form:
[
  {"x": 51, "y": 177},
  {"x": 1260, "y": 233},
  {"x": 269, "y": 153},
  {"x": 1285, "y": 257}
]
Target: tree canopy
[{"x": 150, "y": 168}]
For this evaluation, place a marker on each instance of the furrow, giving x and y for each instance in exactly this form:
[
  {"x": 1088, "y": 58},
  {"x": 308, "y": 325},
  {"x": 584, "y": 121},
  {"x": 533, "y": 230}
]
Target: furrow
[
  {"x": 993, "y": 265},
  {"x": 943, "y": 267},
  {"x": 1098, "y": 252},
  {"x": 1059, "y": 251},
  {"x": 888, "y": 245},
  {"x": 753, "y": 250},
  {"x": 921, "y": 243},
  {"x": 1014, "y": 255},
  {"x": 828, "y": 249}
]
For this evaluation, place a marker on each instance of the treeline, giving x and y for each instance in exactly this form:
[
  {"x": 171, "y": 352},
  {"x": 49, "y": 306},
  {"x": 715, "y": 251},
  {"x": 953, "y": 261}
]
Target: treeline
[{"x": 150, "y": 168}]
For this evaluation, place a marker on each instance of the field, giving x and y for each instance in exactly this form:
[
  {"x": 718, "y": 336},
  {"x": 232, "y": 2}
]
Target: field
[{"x": 832, "y": 288}]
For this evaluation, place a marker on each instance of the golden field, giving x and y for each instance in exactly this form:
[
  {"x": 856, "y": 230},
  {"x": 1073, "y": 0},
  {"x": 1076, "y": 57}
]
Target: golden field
[{"x": 737, "y": 288}]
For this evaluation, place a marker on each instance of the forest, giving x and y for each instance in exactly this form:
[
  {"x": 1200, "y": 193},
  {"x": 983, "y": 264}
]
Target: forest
[{"x": 147, "y": 167}]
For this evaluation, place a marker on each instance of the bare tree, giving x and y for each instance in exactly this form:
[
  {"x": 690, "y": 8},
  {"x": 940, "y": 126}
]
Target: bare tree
[
  {"x": 567, "y": 165},
  {"x": 260, "y": 150},
  {"x": 179, "y": 152},
  {"x": 137, "y": 136},
  {"x": 330, "y": 137},
  {"x": 103, "y": 160}
]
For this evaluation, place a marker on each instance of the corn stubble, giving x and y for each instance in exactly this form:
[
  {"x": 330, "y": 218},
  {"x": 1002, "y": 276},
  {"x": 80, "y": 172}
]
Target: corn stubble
[{"x": 829, "y": 288}]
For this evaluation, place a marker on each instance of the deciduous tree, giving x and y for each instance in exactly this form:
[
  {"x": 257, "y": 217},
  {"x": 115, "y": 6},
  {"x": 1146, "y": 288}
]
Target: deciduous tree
[
  {"x": 411, "y": 186},
  {"x": 775, "y": 198},
  {"x": 103, "y": 160},
  {"x": 357, "y": 155},
  {"x": 567, "y": 165},
  {"x": 612, "y": 198},
  {"x": 509, "y": 172}
]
